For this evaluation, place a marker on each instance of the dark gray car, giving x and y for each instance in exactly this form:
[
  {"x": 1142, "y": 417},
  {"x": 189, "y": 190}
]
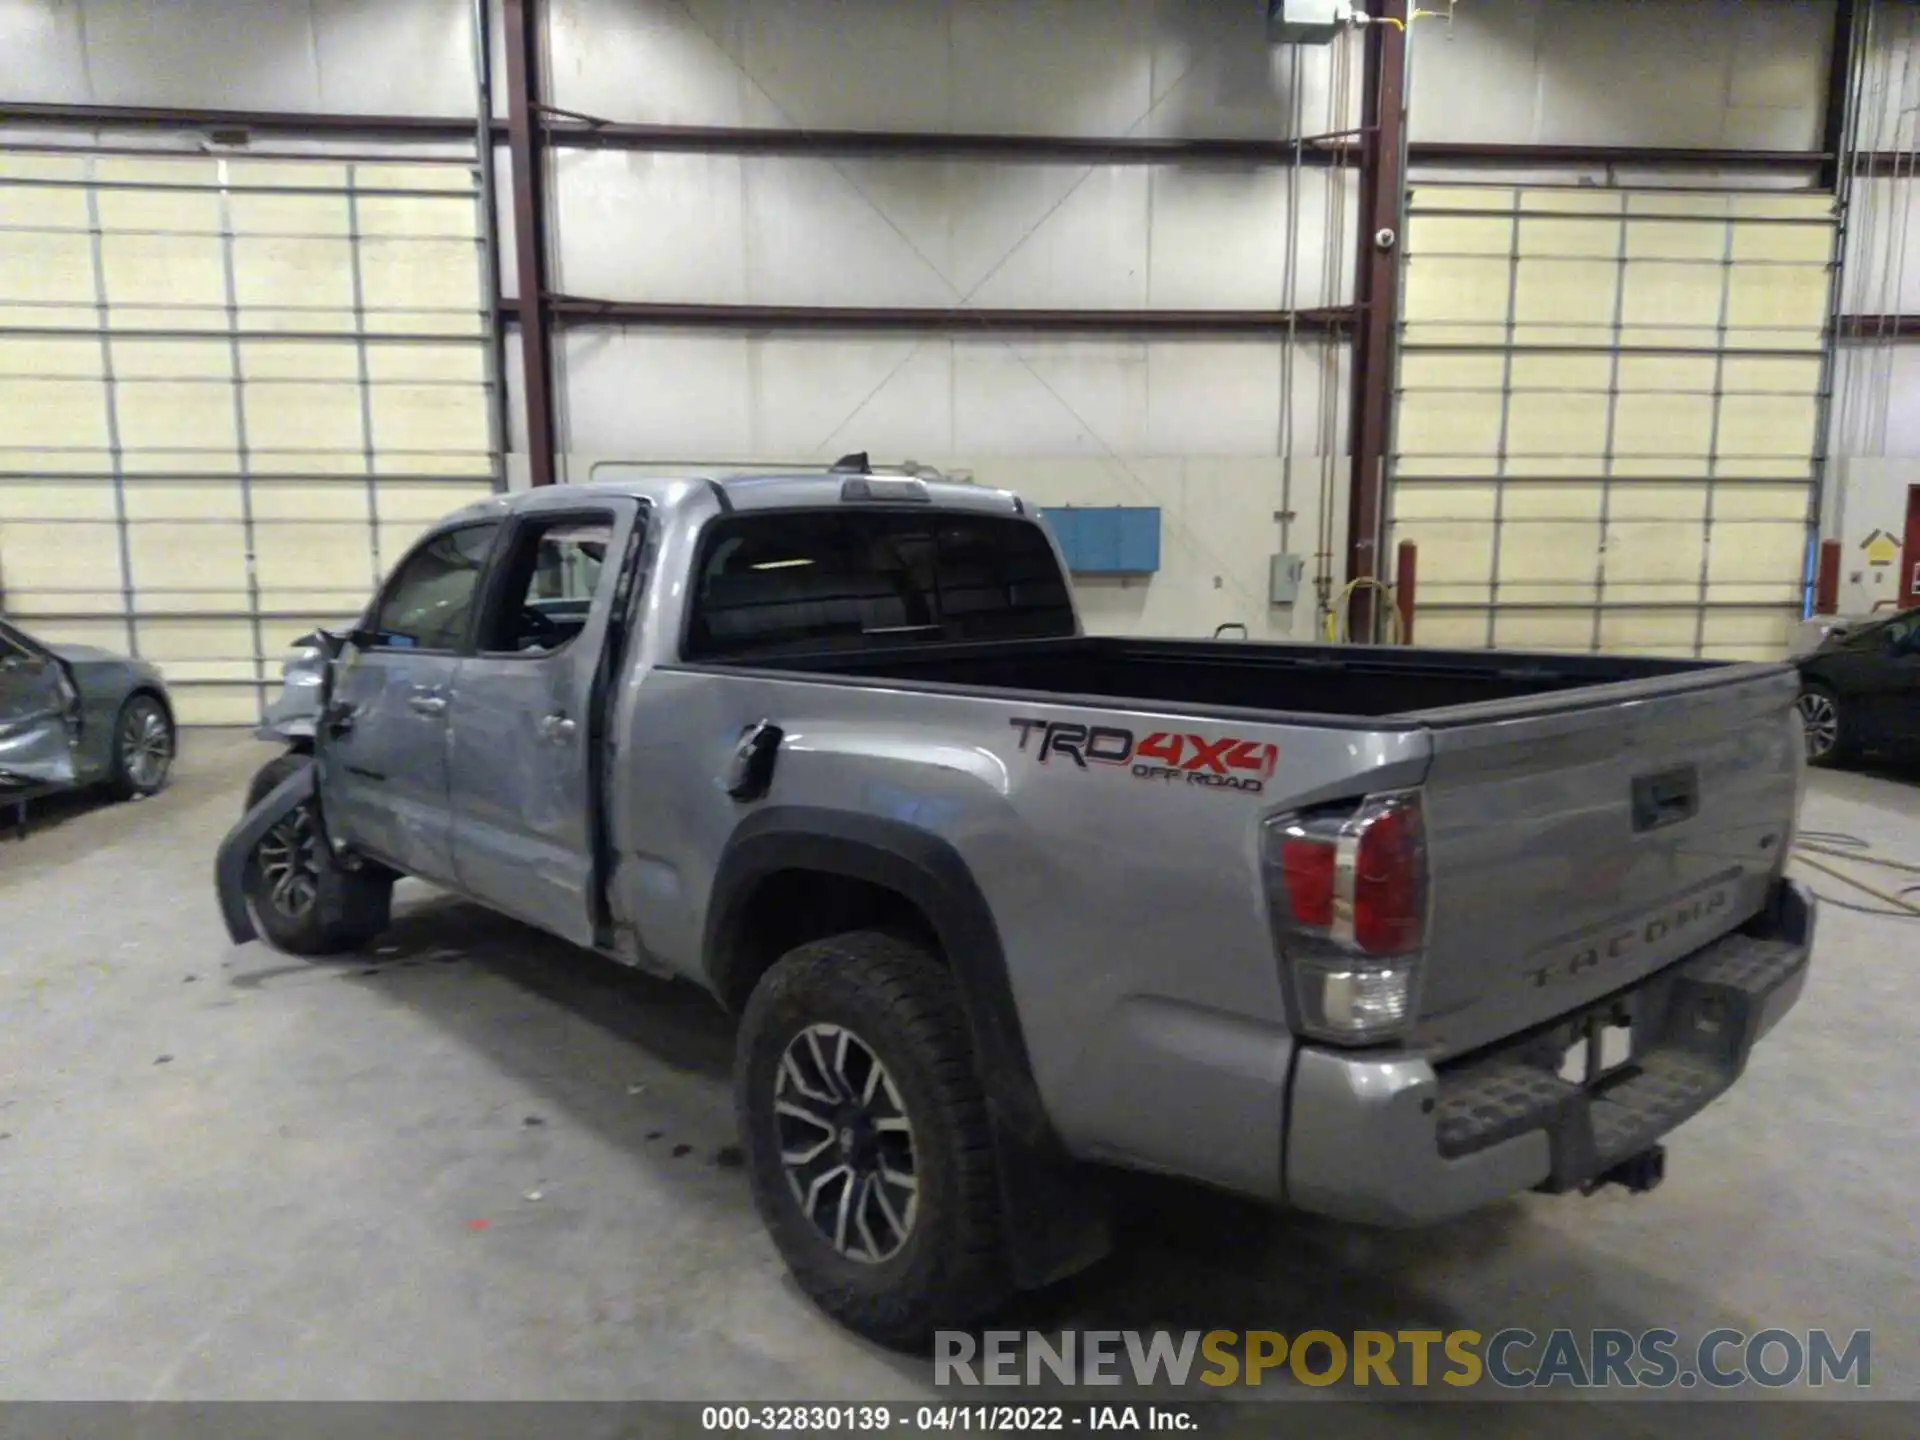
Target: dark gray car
[
  {"x": 1860, "y": 691},
  {"x": 74, "y": 716}
]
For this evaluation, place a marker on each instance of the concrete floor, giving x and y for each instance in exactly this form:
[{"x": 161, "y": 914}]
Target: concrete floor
[{"x": 478, "y": 1164}]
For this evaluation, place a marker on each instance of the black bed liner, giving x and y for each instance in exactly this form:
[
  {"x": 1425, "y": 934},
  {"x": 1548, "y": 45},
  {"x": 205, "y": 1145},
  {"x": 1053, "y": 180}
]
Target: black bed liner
[{"x": 1347, "y": 681}]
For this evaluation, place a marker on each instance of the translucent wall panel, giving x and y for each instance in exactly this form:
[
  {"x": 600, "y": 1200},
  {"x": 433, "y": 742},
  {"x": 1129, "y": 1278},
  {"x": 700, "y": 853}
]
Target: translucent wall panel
[
  {"x": 234, "y": 390},
  {"x": 1607, "y": 415}
]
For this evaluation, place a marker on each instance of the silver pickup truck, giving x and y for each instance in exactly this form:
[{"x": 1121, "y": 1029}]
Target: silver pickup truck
[{"x": 1385, "y": 934}]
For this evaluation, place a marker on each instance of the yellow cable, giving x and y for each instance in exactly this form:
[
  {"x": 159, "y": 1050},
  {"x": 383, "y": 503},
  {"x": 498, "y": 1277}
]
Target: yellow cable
[
  {"x": 1400, "y": 25},
  {"x": 1336, "y": 622},
  {"x": 1855, "y": 857},
  {"x": 1898, "y": 902}
]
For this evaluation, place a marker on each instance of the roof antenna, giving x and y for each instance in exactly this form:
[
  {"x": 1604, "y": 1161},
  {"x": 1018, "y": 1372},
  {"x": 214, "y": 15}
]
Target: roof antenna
[{"x": 856, "y": 462}]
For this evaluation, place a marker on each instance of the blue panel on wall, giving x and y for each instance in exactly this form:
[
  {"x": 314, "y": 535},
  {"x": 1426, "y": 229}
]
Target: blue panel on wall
[
  {"x": 1140, "y": 540},
  {"x": 1107, "y": 539}
]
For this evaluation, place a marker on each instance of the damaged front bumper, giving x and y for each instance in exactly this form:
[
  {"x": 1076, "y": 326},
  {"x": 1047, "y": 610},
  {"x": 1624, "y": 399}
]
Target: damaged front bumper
[{"x": 1399, "y": 1141}]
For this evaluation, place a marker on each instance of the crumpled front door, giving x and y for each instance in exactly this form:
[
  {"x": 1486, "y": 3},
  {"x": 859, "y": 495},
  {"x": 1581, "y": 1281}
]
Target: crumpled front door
[{"x": 37, "y": 712}]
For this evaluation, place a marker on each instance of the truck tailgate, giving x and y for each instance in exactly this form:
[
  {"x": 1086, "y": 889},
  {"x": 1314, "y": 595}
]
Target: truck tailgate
[{"x": 1579, "y": 842}]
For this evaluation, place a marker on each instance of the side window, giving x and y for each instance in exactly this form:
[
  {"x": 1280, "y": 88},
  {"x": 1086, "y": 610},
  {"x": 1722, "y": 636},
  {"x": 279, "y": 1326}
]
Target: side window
[
  {"x": 429, "y": 600},
  {"x": 548, "y": 578}
]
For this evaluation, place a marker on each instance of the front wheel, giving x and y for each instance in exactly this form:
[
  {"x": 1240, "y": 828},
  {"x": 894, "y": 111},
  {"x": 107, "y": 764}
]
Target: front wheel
[
  {"x": 302, "y": 899},
  {"x": 143, "y": 748},
  {"x": 1829, "y": 738},
  {"x": 867, "y": 1138}
]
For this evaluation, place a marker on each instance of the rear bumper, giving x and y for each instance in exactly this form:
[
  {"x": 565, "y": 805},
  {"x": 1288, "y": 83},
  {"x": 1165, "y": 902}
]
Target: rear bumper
[{"x": 1400, "y": 1142}]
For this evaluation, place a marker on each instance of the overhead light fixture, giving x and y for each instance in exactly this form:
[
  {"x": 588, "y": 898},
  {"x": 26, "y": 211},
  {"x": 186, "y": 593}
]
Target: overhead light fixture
[{"x": 781, "y": 564}]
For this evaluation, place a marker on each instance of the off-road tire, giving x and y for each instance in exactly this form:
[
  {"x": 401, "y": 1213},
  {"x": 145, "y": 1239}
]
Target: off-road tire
[
  {"x": 901, "y": 1003},
  {"x": 348, "y": 908}
]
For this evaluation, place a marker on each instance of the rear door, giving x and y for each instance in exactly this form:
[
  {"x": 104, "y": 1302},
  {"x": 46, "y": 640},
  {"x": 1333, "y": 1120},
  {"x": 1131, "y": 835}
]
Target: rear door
[
  {"x": 1580, "y": 842},
  {"x": 386, "y": 726},
  {"x": 524, "y": 706},
  {"x": 38, "y": 715}
]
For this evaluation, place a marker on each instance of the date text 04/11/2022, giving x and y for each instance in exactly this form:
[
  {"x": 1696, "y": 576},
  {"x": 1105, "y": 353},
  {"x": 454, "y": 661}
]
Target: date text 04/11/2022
[{"x": 944, "y": 1419}]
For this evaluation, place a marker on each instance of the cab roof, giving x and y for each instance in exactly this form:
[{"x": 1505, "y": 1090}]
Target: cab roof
[{"x": 752, "y": 491}]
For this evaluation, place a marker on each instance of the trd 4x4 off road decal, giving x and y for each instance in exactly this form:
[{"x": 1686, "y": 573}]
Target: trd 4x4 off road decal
[{"x": 1172, "y": 756}]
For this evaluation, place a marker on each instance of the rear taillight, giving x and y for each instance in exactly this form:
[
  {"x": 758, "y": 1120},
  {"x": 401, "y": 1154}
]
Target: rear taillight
[
  {"x": 1306, "y": 868},
  {"x": 1348, "y": 891},
  {"x": 1389, "y": 881}
]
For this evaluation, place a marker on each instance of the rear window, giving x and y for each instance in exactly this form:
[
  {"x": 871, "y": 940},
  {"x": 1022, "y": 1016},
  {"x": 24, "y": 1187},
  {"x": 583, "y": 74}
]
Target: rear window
[{"x": 793, "y": 582}]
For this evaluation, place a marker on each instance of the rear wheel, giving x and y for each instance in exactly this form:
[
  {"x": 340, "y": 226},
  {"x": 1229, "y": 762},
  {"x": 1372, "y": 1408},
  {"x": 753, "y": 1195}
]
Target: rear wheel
[
  {"x": 1829, "y": 738},
  {"x": 867, "y": 1138},
  {"x": 143, "y": 747}
]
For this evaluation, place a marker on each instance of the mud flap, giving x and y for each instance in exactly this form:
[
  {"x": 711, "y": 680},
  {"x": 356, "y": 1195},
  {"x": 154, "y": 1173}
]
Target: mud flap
[
  {"x": 230, "y": 864},
  {"x": 1057, "y": 1213}
]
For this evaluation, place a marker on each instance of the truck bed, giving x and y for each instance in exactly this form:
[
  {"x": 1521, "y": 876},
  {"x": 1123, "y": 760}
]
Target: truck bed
[
  {"x": 1542, "y": 780},
  {"x": 1317, "y": 680}
]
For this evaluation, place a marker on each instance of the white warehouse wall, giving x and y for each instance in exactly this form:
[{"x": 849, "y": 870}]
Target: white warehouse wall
[
  {"x": 1043, "y": 67},
  {"x": 1198, "y": 426},
  {"x": 377, "y": 57},
  {"x": 1733, "y": 74},
  {"x": 771, "y": 230},
  {"x": 1874, "y": 423},
  {"x": 1190, "y": 426}
]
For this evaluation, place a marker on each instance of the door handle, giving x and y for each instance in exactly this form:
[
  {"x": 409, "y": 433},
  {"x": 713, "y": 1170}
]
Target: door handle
[
  {"x": 427, "y": 704},
  {"x": 556, "y": 728}
]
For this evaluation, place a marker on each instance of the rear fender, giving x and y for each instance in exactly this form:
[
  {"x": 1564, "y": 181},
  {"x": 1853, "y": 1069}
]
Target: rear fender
[{"x": 1056, "y": 1210}]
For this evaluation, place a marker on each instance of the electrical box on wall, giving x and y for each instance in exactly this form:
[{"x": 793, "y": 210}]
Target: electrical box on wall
[
  {"x": 1107, "y": 539},
  {"x": 1284, "y": 574},
  {"x": 1304, "y": 22}
]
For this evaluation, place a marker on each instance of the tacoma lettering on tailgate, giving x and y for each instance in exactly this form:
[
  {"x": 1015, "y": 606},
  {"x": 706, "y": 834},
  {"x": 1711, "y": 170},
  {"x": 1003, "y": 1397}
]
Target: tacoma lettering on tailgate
[
  {"x": 1608, "y": 943},
  {"x": 1170, "y": 756}
]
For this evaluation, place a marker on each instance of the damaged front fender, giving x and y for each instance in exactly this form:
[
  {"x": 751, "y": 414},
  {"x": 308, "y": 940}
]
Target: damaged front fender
[{"x": 230, "y": 864}]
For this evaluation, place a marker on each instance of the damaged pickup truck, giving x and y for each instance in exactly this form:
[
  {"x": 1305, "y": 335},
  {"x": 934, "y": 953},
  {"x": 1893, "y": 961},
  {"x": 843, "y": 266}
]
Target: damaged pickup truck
[{"x": 1384, "y": 934}]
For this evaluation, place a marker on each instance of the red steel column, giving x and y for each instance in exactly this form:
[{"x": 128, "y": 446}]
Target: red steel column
[
  {"x": 1406, "y": 574},
  {"x": 526, "y": 145},
  {"x": 1376, "y": 285},
  {"x": 1826, "y": 580}
]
